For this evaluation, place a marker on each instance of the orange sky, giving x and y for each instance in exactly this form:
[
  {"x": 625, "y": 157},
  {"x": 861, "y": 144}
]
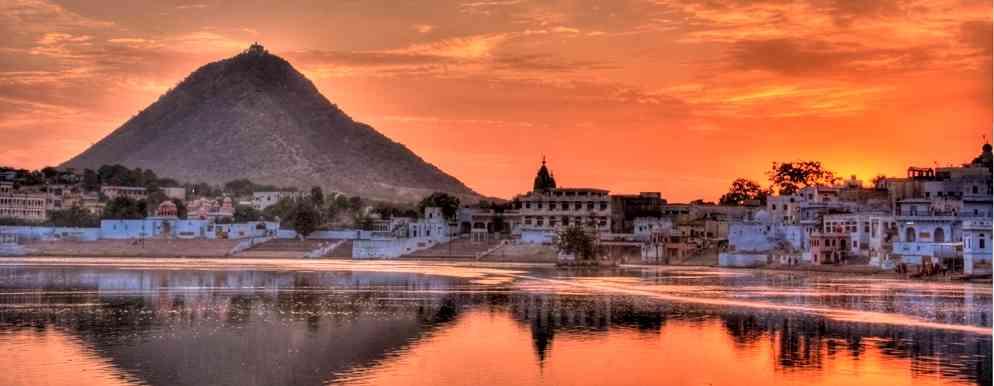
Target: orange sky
[{"x": 630, "y": 95}]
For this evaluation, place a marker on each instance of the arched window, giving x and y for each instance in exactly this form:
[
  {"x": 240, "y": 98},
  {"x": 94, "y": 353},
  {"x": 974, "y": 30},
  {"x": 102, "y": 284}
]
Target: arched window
[
  {"x": 982, "y": 241},
  {"x": 939, "y": 235},
  {"x": 909, "y": 234}
]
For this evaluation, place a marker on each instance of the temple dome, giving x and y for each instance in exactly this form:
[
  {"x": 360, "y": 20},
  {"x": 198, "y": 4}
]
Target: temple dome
[{"x": 543, "y": 179}]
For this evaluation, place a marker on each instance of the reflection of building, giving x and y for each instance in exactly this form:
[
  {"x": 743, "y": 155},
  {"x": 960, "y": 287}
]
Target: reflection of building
[
  {"x": 25, "y": 206},
  {"x": 132, "y": 192}
]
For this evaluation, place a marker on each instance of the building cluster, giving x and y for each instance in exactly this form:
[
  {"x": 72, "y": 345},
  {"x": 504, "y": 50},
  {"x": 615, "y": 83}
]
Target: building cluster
[
  {"x": 34, "y": 203},
  {"x": 932, "y": 220}
]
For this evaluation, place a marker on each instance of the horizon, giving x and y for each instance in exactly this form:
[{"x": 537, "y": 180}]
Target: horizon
[{"x": 513, "y": 81}]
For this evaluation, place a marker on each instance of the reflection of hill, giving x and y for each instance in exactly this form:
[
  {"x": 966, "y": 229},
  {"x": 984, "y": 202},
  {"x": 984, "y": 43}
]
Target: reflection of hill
[{"x": 242, "y": 337}]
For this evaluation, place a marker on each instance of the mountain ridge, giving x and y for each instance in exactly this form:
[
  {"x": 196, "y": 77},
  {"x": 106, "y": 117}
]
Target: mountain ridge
[{"x": 254, "y": 116}]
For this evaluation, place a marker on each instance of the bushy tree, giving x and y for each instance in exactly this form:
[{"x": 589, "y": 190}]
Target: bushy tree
[
  {"x": 575, "y": 240},
  {"x": 72, "y": 217},
  {"x": 741, "y": 190},
  {"x": 181, "y": 210},
  {"x": 305, "y": 218},
  {"x": 246, "y": 213},
  {"x": 124, "y": 208},
  {"x": 791, "y": 177},
  {"x": 317, "y": 197},
  {"x": 448, "y": 203},
  {"x": 282, "y": 209}
]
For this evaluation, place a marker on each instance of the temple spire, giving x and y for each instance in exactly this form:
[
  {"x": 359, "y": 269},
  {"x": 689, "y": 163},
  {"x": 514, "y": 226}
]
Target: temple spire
[{"x": 543, "y": 179}]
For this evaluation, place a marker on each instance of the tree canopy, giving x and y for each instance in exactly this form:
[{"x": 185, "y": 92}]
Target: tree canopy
[
  {"x": 574, "y": 240},
  {"x": 790, "y": 177},
  {"x": 72, "y": 217},
  {"x": 124, "y": 208},
  {"x": 742, "y": 190},
  {"x": 305, "y": 218},
  {"x": 448, "y": 203}
]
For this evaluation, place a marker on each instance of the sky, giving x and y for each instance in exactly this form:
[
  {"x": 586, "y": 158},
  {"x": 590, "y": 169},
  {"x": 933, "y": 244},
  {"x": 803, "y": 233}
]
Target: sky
[{"x": 678, "y": 97}]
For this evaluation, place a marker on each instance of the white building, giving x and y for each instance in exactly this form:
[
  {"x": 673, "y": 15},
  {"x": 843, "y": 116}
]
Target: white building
[
  {"x": 25, "y": 206},
  {"x": 177, "y": 193},
  {"x": 977, "y": 248},
  {"x": 132, "y": 192},
  {"x": 644, "y": 227},
  {"x": 263, "y": 200}
]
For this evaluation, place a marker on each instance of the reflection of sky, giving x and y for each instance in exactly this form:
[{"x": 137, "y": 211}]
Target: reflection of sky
[{"x": 257, "y": 325}]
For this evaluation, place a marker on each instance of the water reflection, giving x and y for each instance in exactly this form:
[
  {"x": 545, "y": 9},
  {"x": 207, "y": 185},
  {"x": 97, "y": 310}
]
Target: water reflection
[{"x": 257, "y": 327}]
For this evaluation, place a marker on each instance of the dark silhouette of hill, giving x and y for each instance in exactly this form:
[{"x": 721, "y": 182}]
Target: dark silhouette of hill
[{"x": 254, "y": 116}]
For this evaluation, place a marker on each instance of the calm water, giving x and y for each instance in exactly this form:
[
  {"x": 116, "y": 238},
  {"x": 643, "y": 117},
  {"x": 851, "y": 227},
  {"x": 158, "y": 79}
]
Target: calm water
[{"x": 270, "y": 322}]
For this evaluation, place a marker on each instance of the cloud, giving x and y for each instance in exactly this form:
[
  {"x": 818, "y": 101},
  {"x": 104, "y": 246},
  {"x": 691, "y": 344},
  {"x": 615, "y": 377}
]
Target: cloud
[
  {"x": 798, "y": 57},
  {"x": 191, "y": 6},
  {"x": 423, "y": 28},
  {"x": 977, "y": 34}
]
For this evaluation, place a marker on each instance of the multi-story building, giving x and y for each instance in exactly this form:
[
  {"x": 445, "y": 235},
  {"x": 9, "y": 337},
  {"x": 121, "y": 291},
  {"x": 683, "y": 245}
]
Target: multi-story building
[
  {"x": 625, "y": 208},
  {"x": 21, "y": 205},
  {"x": 828, "y": 246},
  {"x": 546, "y": 208},
  {"x": 927, "y": 233}
]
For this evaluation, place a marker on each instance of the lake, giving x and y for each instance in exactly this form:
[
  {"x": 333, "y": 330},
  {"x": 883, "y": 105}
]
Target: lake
[{"x": 306, "y": 322}]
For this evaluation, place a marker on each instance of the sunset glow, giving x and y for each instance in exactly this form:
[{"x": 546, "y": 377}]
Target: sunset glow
[{"x": 679, "y": 97}]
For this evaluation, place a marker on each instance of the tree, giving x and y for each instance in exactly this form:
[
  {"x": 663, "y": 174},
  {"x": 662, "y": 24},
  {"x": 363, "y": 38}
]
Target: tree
[
  {"x": 246, "y": 213},
  {"x": 282, "y": 209},
  {"x": 790, "y": 177},
  {"x": 72, "y": 217},
  {"x": 90, "y": 180},
  {"x": 878, "y": 181},
  {"x": 181, "y": 211},
  {"x": 317, "y": 197},
  {"x": 448, "y": 203},
  {"x": 305, "y": 219},
  {"x": 742, "y": 190},
  {"x": 123, "y": 208},
  {"x": 362, "y": 220},
  {"x": 574, "y": 240},
  {"x": 356, "y": 203}
]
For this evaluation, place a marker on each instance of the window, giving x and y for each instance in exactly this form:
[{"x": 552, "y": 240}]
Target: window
[
  {"x": 774, "y": 206},
  {"x": 981, "y": 242},
  {"x": 975, "y": 189}
]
